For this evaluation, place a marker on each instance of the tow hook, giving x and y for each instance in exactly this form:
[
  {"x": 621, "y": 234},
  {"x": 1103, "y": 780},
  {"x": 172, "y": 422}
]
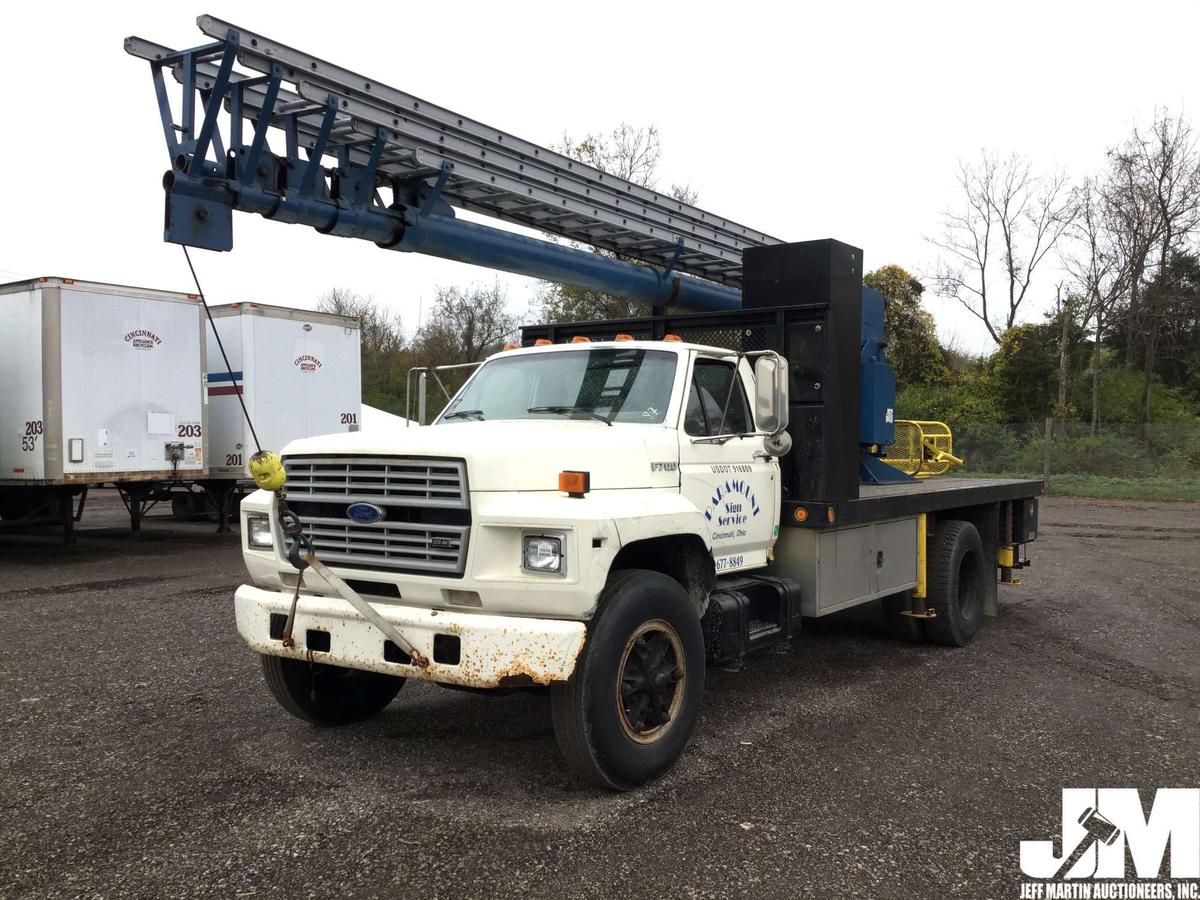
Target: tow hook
[{"x": 367, "y": 611}]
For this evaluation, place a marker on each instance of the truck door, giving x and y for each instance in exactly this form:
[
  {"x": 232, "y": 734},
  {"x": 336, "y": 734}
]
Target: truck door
[{"x": 732, "y": 482}]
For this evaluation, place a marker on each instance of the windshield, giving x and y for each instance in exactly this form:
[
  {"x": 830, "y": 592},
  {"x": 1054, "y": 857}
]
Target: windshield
[{"x": 613, "y": 384}]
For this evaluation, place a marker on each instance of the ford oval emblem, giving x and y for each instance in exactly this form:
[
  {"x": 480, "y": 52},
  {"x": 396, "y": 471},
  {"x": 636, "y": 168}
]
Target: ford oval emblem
[{"x": 364, "y": 513}]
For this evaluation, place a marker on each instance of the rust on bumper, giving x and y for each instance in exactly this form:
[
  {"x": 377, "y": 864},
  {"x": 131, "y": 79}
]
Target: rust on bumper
[{"x": 494, "y": 651}]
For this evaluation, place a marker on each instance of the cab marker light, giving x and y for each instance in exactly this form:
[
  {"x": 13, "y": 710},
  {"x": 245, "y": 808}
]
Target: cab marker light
[
  {"x": 581, "y": 339},
  {"x": 672, "y": 337},
  {"x": 574, "y": 484},
  {"x": 542, "y": 342}
]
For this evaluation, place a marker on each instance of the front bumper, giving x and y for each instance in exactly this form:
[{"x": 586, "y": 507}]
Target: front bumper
[{"x": 493, "y": 651}]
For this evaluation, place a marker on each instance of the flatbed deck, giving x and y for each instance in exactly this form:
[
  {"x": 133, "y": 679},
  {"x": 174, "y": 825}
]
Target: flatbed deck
[{"x": 886, "y": 501}]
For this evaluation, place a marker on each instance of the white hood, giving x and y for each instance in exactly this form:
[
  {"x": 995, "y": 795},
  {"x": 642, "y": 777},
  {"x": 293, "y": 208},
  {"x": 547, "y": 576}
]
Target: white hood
[{"x": 524, "y": 455}]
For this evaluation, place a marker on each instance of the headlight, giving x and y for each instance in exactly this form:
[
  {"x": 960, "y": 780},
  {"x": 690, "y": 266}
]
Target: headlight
[
  {"x": 258, "y": 532},
  {"x": 543, "y": 554}
]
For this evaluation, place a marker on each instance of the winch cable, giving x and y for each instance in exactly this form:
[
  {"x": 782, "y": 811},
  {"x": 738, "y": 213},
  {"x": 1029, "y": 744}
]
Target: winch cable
[
  {"x": 221, "y": 346},
  {"x": 266, "y": 468},
  {"x": 288, "y": 519}
]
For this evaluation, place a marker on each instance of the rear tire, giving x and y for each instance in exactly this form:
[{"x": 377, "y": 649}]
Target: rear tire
[
  {"x": 956, "y": 570},
  {"x": 328, "y": 695},
  {"x": 625, "y": 716}
]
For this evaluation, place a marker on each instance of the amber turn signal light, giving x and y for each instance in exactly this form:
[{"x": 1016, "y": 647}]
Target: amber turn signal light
[
  {"x": 801, "y": 514},
  {"x": 575, "y": 484}
]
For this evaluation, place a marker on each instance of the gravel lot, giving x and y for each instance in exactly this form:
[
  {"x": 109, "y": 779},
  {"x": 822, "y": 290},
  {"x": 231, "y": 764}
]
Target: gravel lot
[{"x": 142, "y": 755}]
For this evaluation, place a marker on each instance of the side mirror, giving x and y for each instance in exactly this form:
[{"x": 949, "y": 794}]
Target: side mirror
[{"x": 770, "y": 394}]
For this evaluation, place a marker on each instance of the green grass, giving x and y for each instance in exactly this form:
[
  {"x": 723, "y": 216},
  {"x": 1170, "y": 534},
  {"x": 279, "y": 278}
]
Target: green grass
[
  {"x": 1150, "y": 487},
  {"x": 1154, "y": 487}
]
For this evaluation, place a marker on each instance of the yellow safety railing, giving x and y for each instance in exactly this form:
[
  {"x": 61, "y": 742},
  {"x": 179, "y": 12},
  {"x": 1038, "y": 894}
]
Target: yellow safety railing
[{"x": 922, "y": 449}]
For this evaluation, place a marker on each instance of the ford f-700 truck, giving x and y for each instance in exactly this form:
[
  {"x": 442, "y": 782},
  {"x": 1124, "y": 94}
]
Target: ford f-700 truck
[
  {"x": 596, "y": 512},
  {"x": 597, "y": 517}
]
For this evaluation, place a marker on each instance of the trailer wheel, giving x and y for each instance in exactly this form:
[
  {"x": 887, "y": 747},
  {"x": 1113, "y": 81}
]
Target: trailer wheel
[
  {"x": 183, "y": 507},
  {"x": 328, "y": 695},
  {"x": 956, "y": 571},
  {"x": 626, "y": 714}
]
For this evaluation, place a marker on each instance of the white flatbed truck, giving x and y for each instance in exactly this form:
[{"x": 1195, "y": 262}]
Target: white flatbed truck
[
  {"x": 599, "y": 550},
  {"x": 595, "y": 512}
]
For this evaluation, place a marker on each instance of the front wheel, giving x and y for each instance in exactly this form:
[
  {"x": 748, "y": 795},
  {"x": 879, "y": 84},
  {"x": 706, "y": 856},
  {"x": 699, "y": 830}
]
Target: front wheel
[
  {"x": 626, "y": 713},
  {"x": 328, "y": 695}
]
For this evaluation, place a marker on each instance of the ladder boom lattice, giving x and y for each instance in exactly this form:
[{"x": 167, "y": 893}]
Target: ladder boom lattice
[
  {"x": 312, "y": 143},
  {"x": 501, "y": 175}
]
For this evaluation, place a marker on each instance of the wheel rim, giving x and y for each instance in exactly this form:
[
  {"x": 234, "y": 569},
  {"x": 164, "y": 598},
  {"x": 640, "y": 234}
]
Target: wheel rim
[
  {"x": 968, "y": 585},
  {"x": 651, "y": 681}
]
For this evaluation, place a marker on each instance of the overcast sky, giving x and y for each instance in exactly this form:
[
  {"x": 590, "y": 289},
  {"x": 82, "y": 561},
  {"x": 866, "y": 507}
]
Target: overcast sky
[{"x": 802, "y": 121}]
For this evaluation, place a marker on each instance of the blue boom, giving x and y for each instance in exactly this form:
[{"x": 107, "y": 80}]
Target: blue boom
[{"x": 395, "y": 179}]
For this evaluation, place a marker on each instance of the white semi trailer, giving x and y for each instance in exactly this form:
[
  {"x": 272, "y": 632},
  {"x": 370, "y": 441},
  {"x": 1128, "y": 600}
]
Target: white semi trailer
[
  {"x": 99, "y": 384},
  {"x": 298, "y": 372}
]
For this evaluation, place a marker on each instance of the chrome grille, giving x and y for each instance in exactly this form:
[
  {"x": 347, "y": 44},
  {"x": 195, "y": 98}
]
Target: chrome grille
[
  {"x": 426, "y": 504},
  {"x": 411, "y": 482}
]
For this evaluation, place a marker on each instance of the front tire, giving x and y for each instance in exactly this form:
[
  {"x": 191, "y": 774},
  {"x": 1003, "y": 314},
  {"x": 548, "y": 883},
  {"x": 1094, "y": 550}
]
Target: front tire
[
  {"x": 328, "y": 695},
  {"x": 628, "y": 710},
  {"x": 957, "y": 571}
]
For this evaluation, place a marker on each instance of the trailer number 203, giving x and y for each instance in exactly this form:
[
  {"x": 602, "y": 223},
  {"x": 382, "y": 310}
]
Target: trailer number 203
[{"x": 29, "y": 438}]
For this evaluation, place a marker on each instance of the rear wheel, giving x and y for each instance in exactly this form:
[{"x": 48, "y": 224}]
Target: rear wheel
[
  {"x": 328, "y": 695},
  {"x": 626, "y": 714},
  {"x": 956, "y": 570}
]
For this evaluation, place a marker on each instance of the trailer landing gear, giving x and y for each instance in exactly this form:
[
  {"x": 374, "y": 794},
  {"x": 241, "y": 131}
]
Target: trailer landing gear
[{"x": 223, "y": 495}]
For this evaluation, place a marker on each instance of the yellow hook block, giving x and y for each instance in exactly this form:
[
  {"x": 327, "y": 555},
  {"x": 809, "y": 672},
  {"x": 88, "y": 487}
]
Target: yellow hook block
[{"x": 266, "y": 468}]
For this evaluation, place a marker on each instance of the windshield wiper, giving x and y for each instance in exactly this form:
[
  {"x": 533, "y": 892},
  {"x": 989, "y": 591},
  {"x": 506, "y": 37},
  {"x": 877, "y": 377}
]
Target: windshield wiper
[
  {"x": 464, "y": 413},
  {"x": 571, "y": 409}
]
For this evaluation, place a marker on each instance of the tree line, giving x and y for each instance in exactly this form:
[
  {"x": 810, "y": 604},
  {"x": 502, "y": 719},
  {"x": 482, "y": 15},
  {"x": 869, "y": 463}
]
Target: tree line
[
  {"x": 1121, "y": 340},
  {"x": 464, "y": 325}
]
